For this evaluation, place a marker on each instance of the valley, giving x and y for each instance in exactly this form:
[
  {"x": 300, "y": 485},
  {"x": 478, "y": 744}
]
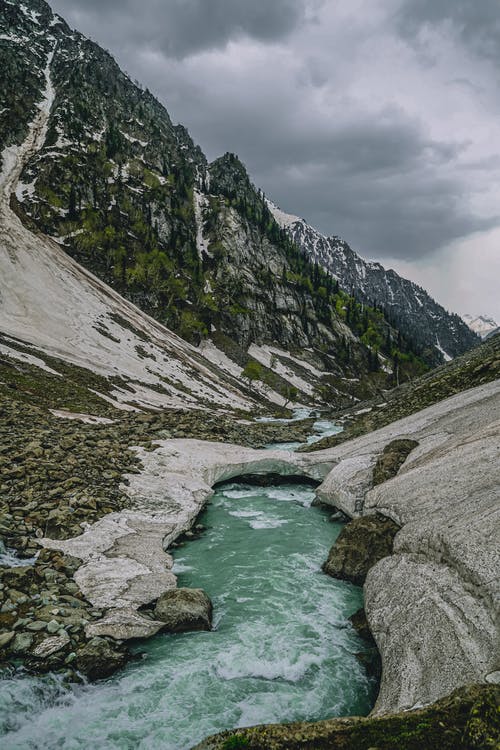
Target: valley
[{"x": 216, "y": 426}]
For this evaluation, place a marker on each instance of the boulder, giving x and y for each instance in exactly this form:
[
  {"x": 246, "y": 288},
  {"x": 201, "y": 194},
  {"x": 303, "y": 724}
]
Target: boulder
[
  {"x": 184, "y": 609},
  {"x": 361, "y": 543},
  {"x": 5, "y": 638},
  {"x": 51, "y": 646},
  {"x": 391, "y": 459},
  {"x": 22, "y": 643},
  {"x": 123, "y": 624},
  {"x": 99, "y": 659}
]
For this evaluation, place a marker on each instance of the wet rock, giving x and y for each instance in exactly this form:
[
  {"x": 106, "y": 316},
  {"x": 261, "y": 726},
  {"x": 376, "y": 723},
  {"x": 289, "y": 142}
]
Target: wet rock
[
  {"x": 51, "y": 646},
  {"x": 391, "y": 459},
  {"x": 99, "y": 659},
  {"x": 361, "y": 626},
  {"x": 184, "y": 609},
  {"x": 361, "y": 543},
  {"x": 5, "y": 638},
  {"x": 338, "y": 516}
]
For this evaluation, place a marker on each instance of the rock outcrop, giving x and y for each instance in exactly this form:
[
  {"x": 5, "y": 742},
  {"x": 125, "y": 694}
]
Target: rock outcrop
[
  {"x": 466, "y": 720},
  {"x": 360, "y": 544},
  {"x": 184, "y": 609}
]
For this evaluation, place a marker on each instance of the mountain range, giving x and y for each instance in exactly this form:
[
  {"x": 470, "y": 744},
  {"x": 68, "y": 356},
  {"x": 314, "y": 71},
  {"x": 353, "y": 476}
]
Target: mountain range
[{"x": 408, "y": 306}]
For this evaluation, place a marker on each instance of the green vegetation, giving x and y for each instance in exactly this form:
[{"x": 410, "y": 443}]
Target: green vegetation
[
  {"x": 235, "y": 742},
  {"x": 252, "y": 371}
]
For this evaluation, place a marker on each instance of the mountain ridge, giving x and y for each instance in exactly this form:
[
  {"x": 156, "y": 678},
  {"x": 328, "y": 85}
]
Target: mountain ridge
[
  {"x": 404, "y": 302},
  {"x": 483, "y": 325}
]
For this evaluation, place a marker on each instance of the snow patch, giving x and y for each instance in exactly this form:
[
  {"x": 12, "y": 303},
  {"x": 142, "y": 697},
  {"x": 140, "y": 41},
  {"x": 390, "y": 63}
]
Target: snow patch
[
  {"x": 200, "y": 202},
  {"x": 30, "y": 359},
  {"x": 86, "y": 418},
  {"x": 283, "y": 219},
  {"x": 268, "y": 356},
  {"x": 446, "y": 356}
]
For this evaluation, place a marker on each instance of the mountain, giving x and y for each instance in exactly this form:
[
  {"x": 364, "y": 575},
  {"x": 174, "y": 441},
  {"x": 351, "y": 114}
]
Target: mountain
[
  {"x": 409, "y": 307},
  {"x": 96, "y": 172},
  {"x": 481, "y": 325}
]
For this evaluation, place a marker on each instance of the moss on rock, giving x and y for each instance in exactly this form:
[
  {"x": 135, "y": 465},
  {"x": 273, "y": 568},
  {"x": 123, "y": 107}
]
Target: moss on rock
[
  {"x": 468, "y": 719},
  {"x": 360, "y": 544}
]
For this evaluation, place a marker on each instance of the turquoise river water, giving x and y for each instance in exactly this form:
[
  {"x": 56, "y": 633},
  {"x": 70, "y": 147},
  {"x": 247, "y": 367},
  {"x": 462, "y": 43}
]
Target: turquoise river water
[{"x": 282, "y": 648}]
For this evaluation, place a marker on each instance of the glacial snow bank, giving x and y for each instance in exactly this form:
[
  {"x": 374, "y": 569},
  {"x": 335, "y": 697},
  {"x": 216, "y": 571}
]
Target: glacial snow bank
[{"x": 432, "y": 605}]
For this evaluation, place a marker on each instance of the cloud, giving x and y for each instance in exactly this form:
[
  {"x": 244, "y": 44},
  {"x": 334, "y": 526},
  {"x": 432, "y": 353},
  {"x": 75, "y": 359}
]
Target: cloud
[
  {"x": 476, "y": 24},
  {"x": 179, "y": 28}
]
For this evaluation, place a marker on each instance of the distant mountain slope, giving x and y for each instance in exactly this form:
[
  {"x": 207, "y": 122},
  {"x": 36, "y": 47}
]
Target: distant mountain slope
[
  {"x": 407, "y": 305},
  {"x": 481, "y": 325}
]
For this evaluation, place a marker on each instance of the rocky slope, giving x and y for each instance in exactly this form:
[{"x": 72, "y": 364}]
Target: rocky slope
[{"x": 426, "y": 323}]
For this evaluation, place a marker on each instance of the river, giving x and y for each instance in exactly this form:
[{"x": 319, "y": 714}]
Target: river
[{"x": 282, "y": 648}]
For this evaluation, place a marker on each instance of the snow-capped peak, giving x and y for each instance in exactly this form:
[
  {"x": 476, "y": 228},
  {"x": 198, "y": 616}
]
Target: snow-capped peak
[{"x": 481, "y": 324}]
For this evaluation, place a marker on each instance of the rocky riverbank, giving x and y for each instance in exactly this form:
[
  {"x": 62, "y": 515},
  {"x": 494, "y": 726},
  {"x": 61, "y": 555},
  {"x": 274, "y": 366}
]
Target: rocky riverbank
[
  {"x": 466, "y": 720},
  {"x": 61, "y": 473}
]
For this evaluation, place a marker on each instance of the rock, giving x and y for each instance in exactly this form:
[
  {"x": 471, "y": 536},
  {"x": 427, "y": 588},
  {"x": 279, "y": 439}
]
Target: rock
[
  {"x": 361, "y": 543},
  {"x": 123, "y": 624},
  {"x": 361, "y": 626},
  {"x": 184, "y": 609},
  {"x": 468, "y": 719},
  {"x": 98, "y": 659},
  {"x": 51, "y": 646},
  {"x": 391, "y": 459},
  {"x": 21, "y": 643},
  {"x": 36, "y": 625},
  {"x": 53, "y": 626},
  {"x": 5, "y": 638}
]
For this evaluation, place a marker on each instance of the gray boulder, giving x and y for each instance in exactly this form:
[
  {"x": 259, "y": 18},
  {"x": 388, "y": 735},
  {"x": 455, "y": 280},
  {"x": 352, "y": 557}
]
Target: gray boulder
[
  {"x": 184, "y": 609},
  {"x": 99, "y": 659}
]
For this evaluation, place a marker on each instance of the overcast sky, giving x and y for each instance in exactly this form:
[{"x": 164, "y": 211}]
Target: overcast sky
[{"x": 376, "y": 120}]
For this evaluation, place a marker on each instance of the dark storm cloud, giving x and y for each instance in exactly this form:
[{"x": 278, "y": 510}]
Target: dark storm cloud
[
  {"x": 381, "y": 186},
  {"x": 475, "y": 22},
  {"x": 182, "y": 27}
]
